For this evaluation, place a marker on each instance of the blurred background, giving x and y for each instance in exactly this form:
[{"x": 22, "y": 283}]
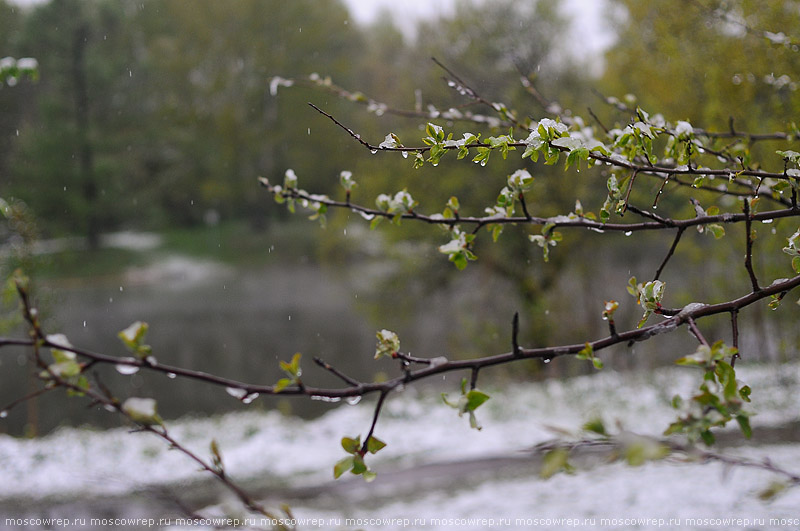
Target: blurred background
[
  {"x": 129, "y": 174},
  {"x": 129, "y": 169}
]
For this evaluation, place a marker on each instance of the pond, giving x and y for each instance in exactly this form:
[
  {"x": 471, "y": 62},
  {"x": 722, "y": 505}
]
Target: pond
[{"x": 231, "y": 320}]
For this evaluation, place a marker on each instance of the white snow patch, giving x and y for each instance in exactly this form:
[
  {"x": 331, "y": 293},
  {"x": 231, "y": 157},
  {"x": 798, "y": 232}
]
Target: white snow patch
[
  {"x": 176, "y": 272},
  {"x": 419, "y": 429}
]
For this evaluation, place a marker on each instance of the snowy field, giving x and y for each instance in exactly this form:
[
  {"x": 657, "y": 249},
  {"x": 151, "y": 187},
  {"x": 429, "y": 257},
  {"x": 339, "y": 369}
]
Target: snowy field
[{"x": 435, "y": 473}]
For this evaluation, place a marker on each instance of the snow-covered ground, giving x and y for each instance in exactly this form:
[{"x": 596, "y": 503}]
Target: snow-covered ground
[{"x": 290, "y": 458}]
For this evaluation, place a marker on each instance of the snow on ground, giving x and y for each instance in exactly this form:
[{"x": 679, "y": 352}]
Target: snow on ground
[
  {"x": 656, "y": 495},
  {"x": 287, "y": 452}
]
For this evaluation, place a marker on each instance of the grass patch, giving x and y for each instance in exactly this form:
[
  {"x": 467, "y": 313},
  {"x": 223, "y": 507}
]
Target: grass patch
[
  {"x": 234, "y": 243},
  {"x": 86, "y": 263},
  {"x": 237, "y": 243}
]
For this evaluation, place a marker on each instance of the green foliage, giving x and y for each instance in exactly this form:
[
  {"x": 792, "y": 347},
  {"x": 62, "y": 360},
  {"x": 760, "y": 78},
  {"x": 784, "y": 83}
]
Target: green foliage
[
  {"x": 556, "y": 461},
  {"x": 354, "y": 463},
  {"x": 467, "y": 403},
  {"x": 640, "y": 450},
  {"x": 142, "y": 410},
  {"x": 648, "y": 295},
  {"x": 133, "y": 336},
  {"x": 216, "y": 456},
  {"x": 13, "y": 70},
  {"x": 608, "y": 310},
  {"x": 587, "y": 353},
  {"x": 388, "y": 344},
  {"x": 724, "y": 72},
  {"x": 720, "y": 399},
  {"x": 793, "y": 250},
  {"x": 637, "y": 139},
  {"x": 613, "y": 202},
  {"x": 65, "y": 365},
  {"x": 293, "y": 372},
  {"x": 548, "y": 238},
  {"x": 458, "y": 248}
]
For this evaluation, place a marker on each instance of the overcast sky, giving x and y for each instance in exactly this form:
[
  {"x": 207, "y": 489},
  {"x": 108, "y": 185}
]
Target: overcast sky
[{"x": 587, "y": 15}]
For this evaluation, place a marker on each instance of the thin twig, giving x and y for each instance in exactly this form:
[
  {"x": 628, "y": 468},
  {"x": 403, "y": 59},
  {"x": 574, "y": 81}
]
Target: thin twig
[
  {"x": 670, "y": 252},
  {"x": 696, "y": 331},
  {"x": 375, "y": 416},
  {"x": 628, "y": 193},
  {"x": 473, "y": 381},
  {"x": 333, "y": 370},
  {"x": 735, "y": 328},
  {"x": 596, "y": 119},
  {"x": 29, "y": 396},
  {"x": 748, "y": 257}
]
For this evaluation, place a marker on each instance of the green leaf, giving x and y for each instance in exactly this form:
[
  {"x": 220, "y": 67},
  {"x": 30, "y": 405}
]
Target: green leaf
[
  {"x": 576, "y": 156},
  {"x": 791, "y": 156},
  {"x": 346, "y": 181},
  {"x": 446, "y": 401},
  {"x": 388, "y": 344},
  {"x": 772, "y": 490},
  {"x": 632, "y": 287},
  {"x": 142, "y": 410},
  {"x": 596, "y": 426},
  {"x": 586, "y": 353},
  {"x": 281, "y": 384},
  {"x": 796, "y": 264},
  {"x": 744, "y": 392},
  {"x": 343, "y": 465},
  {"x": 716, "y": 229},
  {"x": 82, "y": 382},
  {"x": 474, "y": 399},
  {"x": 292, "y": 369},
  {"x": 497, "y": 230},
  {"x": 374, "y": 445},
  {"x": 459, "y": 260},
  {"x": 359, "y": 467},
  {"x": 350, "y": 445},
  {"x": 744, "y": 424},
  {"x": 531, "y": 152},
  {"x": 554, "y": 462},
  {"x": 65, "y": 369},
  {"x": 419, "y": 160},
  {"x": 483, "y": 155},
  {"x": 643, "y": 450},
  {"x": 133, "y": 336}
]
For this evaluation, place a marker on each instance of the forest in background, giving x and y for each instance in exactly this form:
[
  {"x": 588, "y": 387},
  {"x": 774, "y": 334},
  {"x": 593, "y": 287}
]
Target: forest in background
[{"x": 158, "y": 114}]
